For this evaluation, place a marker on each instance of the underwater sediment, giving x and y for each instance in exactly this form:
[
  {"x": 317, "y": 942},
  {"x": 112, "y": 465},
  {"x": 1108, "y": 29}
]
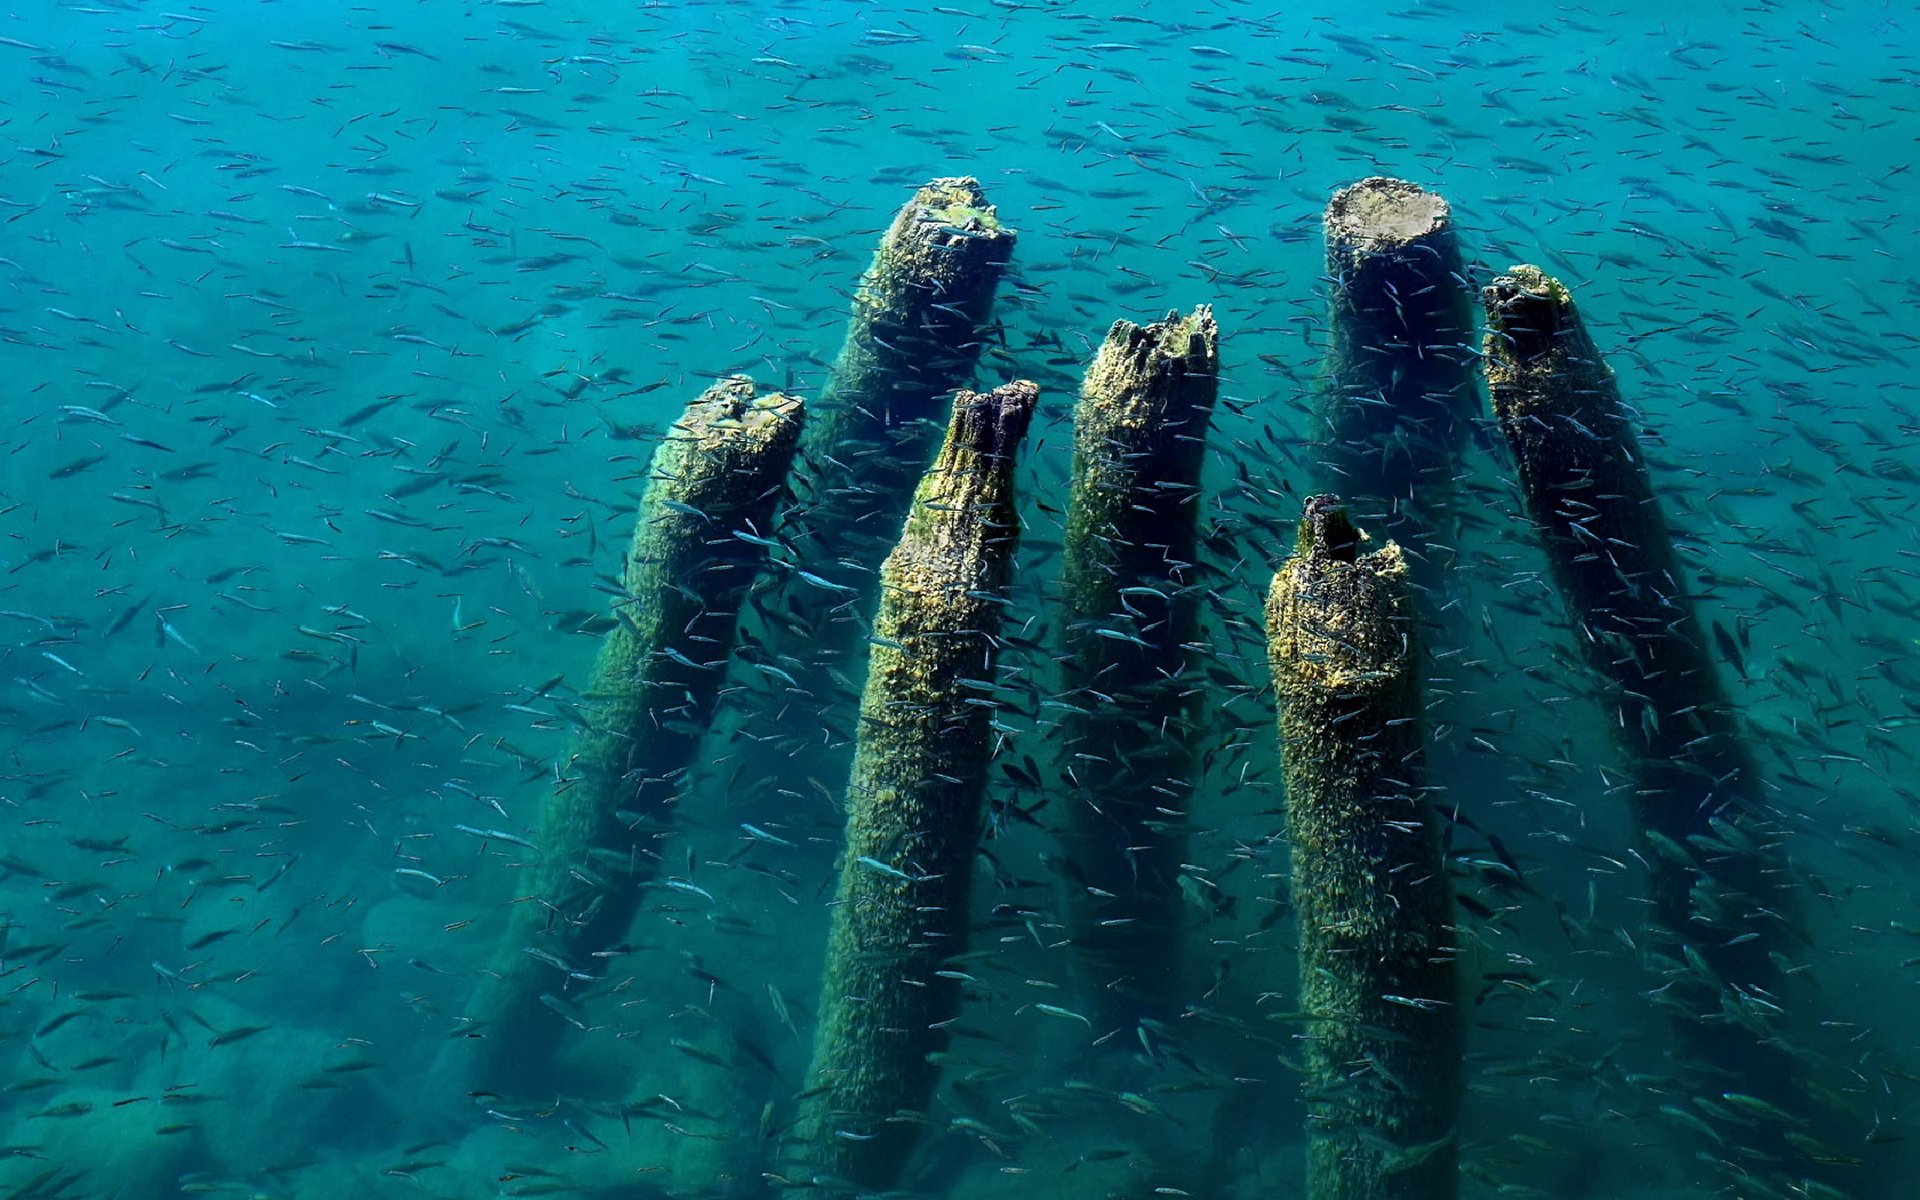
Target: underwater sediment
[
  {"x": 1717, "y": 892},
  {"x": 901, "y": 910},
  {"x": 718, "y": 474},
  {"x": 1398, "y": 389},
  {"x": 1378, "y": 980},
  {"x": 1130, "y": 609}
]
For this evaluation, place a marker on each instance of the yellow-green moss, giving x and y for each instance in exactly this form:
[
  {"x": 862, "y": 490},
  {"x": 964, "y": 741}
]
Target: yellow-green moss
[
  {"x": 912, "y": 338},
  {"x": 1129, "y": 608},
  {"x": 721, "y": 469},
  {"x": 913, "y": 820},
  {"x": 1377, "y": 973}
]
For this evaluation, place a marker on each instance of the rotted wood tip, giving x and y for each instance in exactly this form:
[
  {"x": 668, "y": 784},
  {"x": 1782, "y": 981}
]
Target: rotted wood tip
[
  {"x": 991, "y": 424},
  {"x": 1327, "y": 532},
  {"x": 1380, "y": 213},
  {"x": 1202, "y": 335},
  {"x": 733, "y": 406},
  {"x": 1338, "y": 620},
  {"x": 1192, "y": 342},
  {"x": 956, "y": 209},
  {"x": 1529, "y": 313}
]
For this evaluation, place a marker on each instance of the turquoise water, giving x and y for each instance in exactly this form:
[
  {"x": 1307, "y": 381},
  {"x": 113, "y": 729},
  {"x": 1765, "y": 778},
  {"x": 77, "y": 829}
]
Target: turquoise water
[{"x": 339, "y": 338}]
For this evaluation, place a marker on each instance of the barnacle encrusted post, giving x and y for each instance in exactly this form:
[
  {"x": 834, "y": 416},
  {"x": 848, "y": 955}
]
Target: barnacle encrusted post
[
  {"x": 1130, "y": 608},
  {"x": 913, "y": 820},
  {"x": 1397, "y": 394},
  {"x": 1718, "y": 894},
  {"x": 913, "y": 337},
  {"x": 716, "y": 476},
  {"x": 1377, "y": 975}
]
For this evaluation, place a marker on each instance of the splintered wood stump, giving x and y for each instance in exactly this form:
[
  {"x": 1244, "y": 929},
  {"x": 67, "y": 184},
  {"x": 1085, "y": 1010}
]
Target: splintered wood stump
[
  {"x": 1130, "y": 611},
  {"x": 913, "y": 807},
  {"x": 718, "y": 473},
  {"x": 1378, "y": 982}
]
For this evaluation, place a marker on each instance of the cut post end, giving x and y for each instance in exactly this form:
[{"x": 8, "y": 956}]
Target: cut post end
[{"x": 1380, "y": 213}]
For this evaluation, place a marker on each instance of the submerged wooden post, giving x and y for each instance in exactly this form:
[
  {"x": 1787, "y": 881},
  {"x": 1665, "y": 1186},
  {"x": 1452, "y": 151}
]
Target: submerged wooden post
[
  {"x": 1377, "y": 975},
  {"x": 1130, "y": 610},
  {"x": 716, "y": 476},
  {"x": 1398, "y": 391},
  {"x": 913, "y": 819},
  {"x": 1717, "y": 893},
  {"x": 913, "y": 337}
]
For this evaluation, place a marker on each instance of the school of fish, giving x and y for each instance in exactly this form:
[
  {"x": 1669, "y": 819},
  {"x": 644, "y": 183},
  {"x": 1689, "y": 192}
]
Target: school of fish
[{"x": 338, "y": 341}]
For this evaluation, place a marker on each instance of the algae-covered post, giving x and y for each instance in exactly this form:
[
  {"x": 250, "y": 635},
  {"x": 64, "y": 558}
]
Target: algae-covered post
[
  {"x": 1377, "y": 975},
  {"x": 1397, "y": 396},
  {"x": 913, "y": 337},
  {"x": 716, "y": 476},
  {"x": 913, "y": 822},
  {"x": 1717, "y": 893},
  {"x": 1130, "y": 608}
]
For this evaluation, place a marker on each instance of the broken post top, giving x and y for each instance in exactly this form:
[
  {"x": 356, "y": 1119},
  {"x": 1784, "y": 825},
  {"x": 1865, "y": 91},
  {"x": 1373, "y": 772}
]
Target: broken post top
[
  {"x": 946, "y": 231},
  {"x": 987, "y": 427},
  {"x": 964, "y": 504},
  {"x": 1147, "y": 375},
  {"x": 1189, "y": 345},
  {"x": 1326, "y": 532},
  {"x": 1338, "y": 621},
  {"x": 1539, "y": 356},
  {"x": 1139, "y": 433},
  {"x": 956, "y": 201},
  {"x": 952, "y": 561},
  {"x": 730, "y": 415},
  {"x": 1379, "y": 214}
]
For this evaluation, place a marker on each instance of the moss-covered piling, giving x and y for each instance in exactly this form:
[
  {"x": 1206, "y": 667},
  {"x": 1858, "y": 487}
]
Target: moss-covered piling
[
  {"x": 1717, "y": 895},
  {"x": 914, "y": 806},
  {"x": 1398, "y": 391},
  {"x": 914, "y": 336},
  {"x": 1377, "y": 974},
  {"x": 716, "y": 476},
  {"x": 1129, "y": 608}
]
